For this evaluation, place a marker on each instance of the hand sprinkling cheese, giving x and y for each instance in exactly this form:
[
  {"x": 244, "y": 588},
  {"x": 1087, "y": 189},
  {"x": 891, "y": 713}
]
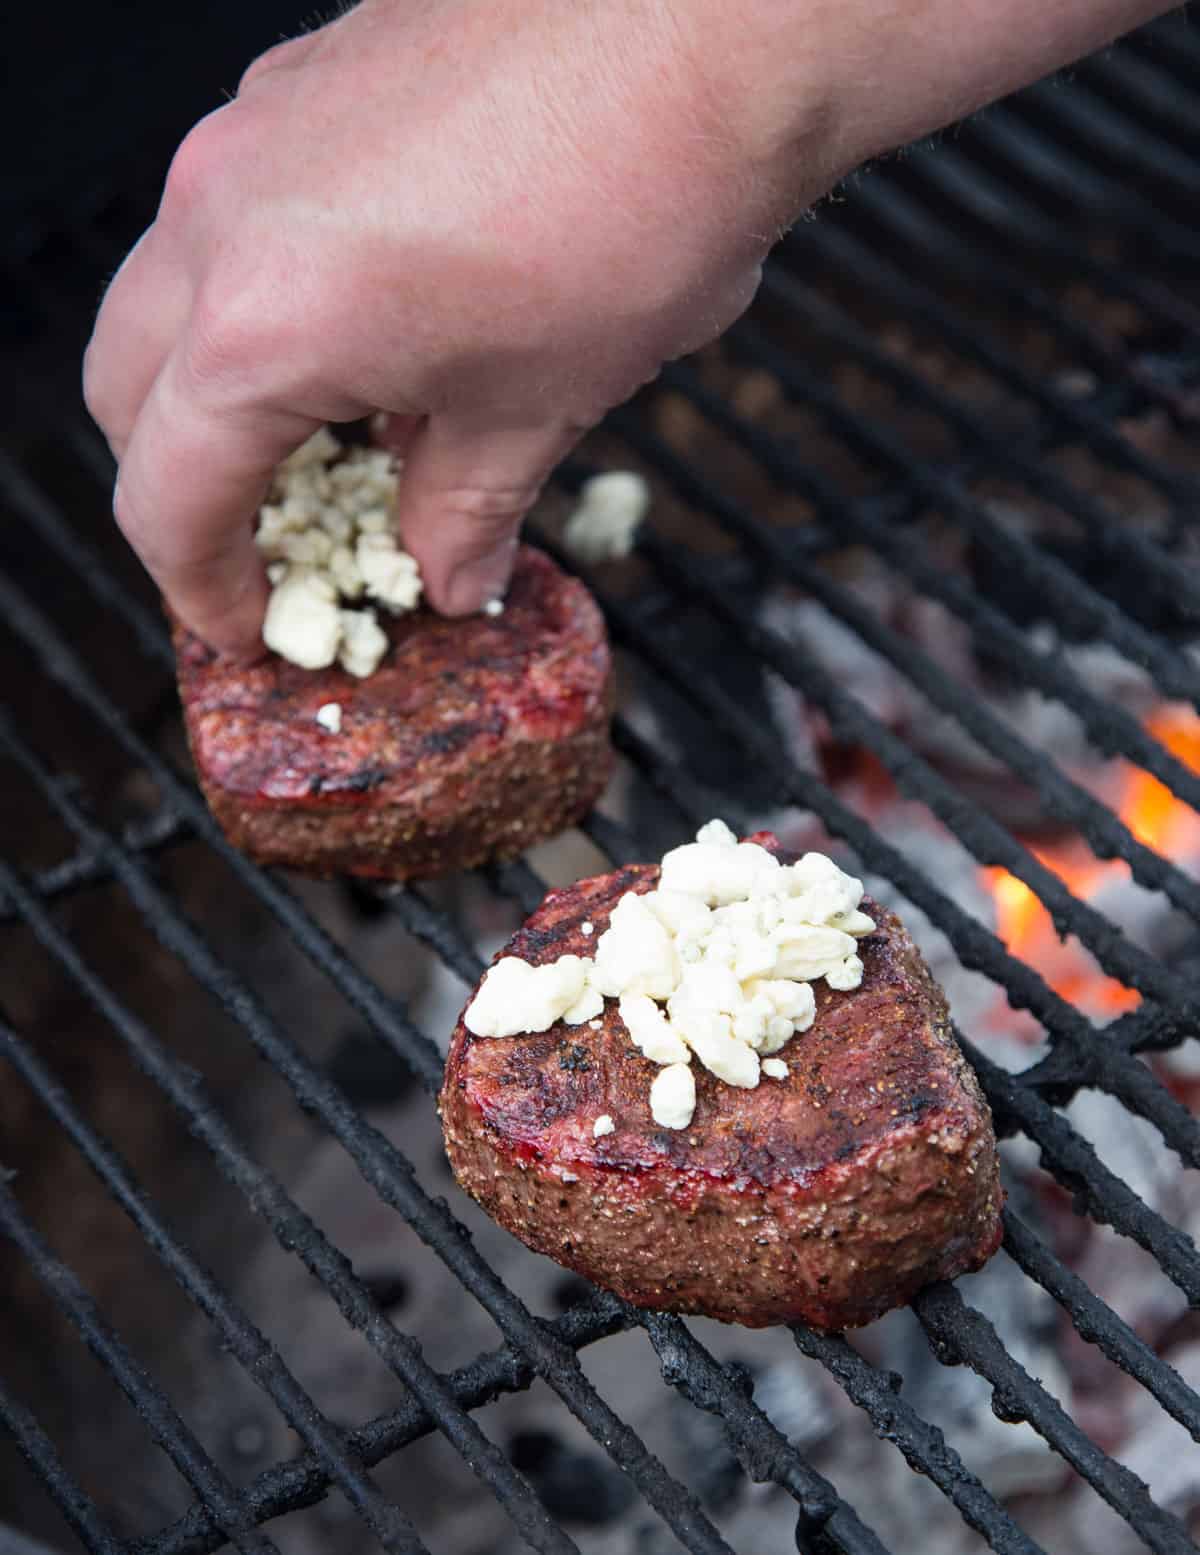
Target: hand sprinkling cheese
[{"x": 730, "y": 943}]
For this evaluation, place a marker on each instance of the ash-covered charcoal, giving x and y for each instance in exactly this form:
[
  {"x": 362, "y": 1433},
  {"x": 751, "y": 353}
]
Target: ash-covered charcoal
[
  {"x": 1157, "y": 1449},
  {"x": 1044, "y": 723}
]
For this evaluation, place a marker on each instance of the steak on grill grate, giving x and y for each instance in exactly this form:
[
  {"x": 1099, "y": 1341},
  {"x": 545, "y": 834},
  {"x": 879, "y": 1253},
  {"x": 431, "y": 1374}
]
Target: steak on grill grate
[
  {"x": 473, "y": 739},
  {"x": 829, "y": 1196}
]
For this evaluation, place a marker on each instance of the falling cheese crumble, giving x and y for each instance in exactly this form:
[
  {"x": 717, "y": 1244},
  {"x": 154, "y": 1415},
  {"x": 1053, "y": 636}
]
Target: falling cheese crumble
[
  {"x": 611, "y": 508},
  {"x": 717, "y": 963},
  {"x": 603, "y": 1125},
  {"x": 329, "y": 716},
  {"x": 326, "y": 533}
]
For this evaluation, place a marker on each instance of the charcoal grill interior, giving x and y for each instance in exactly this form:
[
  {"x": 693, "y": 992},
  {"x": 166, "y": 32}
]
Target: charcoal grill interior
[{"x": 1010, "y": 313}]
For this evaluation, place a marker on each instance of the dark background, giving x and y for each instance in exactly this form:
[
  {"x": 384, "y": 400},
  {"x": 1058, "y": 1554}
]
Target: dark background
[{"x": 90, "y": 88}]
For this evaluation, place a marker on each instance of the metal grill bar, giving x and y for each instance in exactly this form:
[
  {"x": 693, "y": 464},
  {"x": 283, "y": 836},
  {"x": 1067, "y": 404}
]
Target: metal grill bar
[
  {"x": 975, "y": 946},
  {"x": 38, "y": 1451},
  {"x": 995, "y": 204},
  {"x": 143, "y": 756},
  {"x": 152, "y": 834},
  {"x": 1065, "y": 595},
  {"x": 1099, "y": 1325},
  {"x": 1074, "y": 420},
  {"x": 61, "y": 663},
  {"x": 897, "y": 214},
  {"x": 1105, "y": 833},
  {"x": 1109, "y": 728},
  {"x": 1026, "y": 140},
  {"x": 1107, "y": 1064},
  {"x": 1078, "y": 119},
  {"x": 391, "y": 1176},
  {"x": 1052, "y": 174},
  {"x": 877, "y": 1393},
  {"x": 687, "y": 1367},
  {"x": 1073, "y": 1162},
  {"x": 217, "y": 1494},
  {"x": 1140, "y": 87},
  {"x": 960, "y": 1334},
  {"x": 293, "y": 1230},
  {"x": 301, "y": 1482},
  {"x": 916, "y": 1438}
]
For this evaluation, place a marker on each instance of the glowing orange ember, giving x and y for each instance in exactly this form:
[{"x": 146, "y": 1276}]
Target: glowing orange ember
[{"x": 1155, "y": 817}]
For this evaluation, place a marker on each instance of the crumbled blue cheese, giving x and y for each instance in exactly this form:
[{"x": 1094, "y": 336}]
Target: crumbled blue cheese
[
  {"x": 302, "y": 623},
  {"x": 516, "y": 997},
  {"x": 673, "y": 1096},
  {"x": 325, "y": 533},
  {"x": 650, "y": 1031},
  {"x": 717, "y": 963},
  {"x": 775, "y": 1068},
  {"x": 603, "y": 1125},
  {"x": 329, "y": 716},
  {"x": 604, "y": 525}
]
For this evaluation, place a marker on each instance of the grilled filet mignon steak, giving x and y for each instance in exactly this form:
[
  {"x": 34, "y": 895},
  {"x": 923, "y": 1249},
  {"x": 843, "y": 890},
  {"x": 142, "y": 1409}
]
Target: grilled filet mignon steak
[
  {"x": 829, "y": 1196},
  {"x": 473, "y": 738}
]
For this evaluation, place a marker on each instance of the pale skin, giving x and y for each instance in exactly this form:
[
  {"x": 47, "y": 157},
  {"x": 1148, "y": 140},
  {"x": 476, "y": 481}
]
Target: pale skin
[{"x": 492, "y": 222}]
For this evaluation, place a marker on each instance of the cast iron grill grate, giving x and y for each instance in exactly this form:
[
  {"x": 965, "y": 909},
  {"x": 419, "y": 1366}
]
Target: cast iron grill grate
[{"x": 971, "y": 240}]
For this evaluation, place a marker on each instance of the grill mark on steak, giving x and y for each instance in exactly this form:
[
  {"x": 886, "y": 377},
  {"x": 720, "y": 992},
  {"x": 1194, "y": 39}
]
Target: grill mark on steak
[{"x": 829, "y": 1196}]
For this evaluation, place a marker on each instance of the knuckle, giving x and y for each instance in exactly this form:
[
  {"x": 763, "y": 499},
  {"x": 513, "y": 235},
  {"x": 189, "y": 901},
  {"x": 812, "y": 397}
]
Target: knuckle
[
  {"x": 227, "y": 341},
  {"x": 289, "y": 52},
  {"x": 490, "y": 508},
  {"x": 197, "y": 165},
  {"x": 263, "y": 65}
]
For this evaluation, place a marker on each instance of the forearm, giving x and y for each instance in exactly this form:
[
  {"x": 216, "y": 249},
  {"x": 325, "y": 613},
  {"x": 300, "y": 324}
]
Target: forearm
[{"x": 816, "y": 87}]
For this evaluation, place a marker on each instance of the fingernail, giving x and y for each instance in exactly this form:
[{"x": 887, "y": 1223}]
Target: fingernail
[{"x": 474, "y": 583}]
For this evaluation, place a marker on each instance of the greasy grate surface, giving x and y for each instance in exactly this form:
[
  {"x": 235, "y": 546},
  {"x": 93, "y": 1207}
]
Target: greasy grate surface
[{"x": 1059, "y": 225}]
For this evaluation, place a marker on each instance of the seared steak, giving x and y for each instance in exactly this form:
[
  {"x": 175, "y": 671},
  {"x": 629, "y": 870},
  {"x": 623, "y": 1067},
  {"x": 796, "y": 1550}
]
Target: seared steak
[
  {"x": 829, "y": 1196},
  {"x": 473, "y": 738}
]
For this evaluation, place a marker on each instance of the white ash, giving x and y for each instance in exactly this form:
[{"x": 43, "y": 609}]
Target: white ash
[{"x": 1043, "y": 722}]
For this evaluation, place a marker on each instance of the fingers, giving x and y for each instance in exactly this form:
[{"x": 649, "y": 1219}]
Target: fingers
[
  {"x": 190, "y": 484},
  {"x": 463, "y": 495},
  {"x": 395, "y": 432},
  {"x": 143, "y": 313}
]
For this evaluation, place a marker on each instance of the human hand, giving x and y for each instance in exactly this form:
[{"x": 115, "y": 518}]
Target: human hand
[{"x": 491, "y": 222}]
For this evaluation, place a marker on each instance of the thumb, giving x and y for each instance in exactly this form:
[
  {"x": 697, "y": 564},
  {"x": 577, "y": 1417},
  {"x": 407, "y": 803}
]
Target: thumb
[{"x": 465, "y": 489}]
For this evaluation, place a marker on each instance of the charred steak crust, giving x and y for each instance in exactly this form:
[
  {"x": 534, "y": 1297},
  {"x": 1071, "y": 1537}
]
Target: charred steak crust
[
  {"x": 473, "y": 738},
  {"x": 830, "y": 1196}
]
